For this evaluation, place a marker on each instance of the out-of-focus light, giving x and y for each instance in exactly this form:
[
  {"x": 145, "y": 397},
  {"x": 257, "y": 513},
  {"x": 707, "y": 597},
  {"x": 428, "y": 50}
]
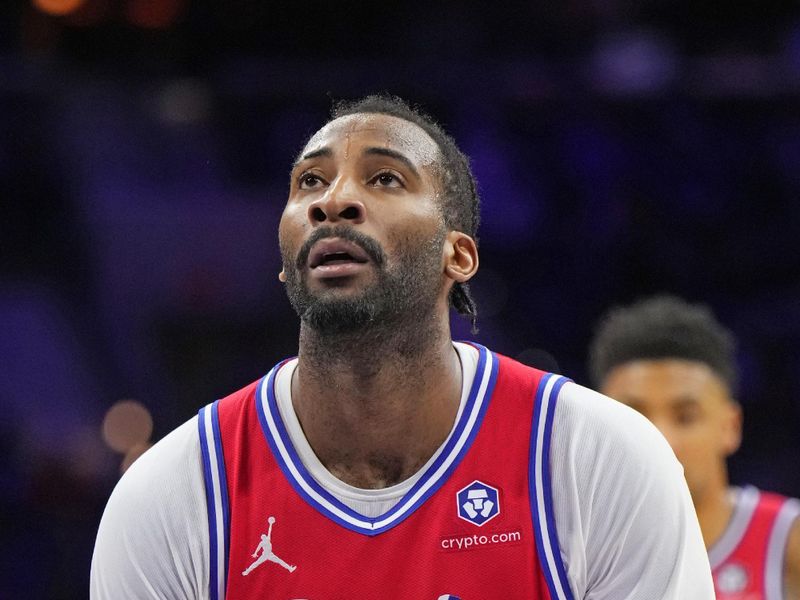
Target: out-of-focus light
[
  {"x": 131, "y": 456},
  {"x": 127, "y": 424},
  {"x": 153, "y": 14},
  {"x": 631, "y": 64},
  {"x": 57, "y": 7}
]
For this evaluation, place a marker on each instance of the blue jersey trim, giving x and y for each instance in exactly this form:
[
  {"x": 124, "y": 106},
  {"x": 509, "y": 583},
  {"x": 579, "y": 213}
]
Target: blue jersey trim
[
  {"x": 544, "y": 412},
  {"x": 534, "y": 491},
  {"x": 267, "y": 385},
  {"x": 216, "y": 504},
  {"x": 210, "y": 504},
  {"x": 548, "y": 489},
  {"x": 223, "y": 486}
]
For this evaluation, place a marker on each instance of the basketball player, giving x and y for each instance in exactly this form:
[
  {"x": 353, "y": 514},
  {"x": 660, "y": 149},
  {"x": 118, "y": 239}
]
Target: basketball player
[
  {"x": 674, "y": 363},
  {"x": 394, "y": 462}
]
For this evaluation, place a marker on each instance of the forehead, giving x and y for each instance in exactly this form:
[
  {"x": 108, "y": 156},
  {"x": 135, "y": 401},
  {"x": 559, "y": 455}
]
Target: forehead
[
  {"x": 664, "y": 379},
  {"x": 378, "y": 130}
]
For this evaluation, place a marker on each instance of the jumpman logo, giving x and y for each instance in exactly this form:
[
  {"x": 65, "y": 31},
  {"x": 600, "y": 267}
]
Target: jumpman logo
[{"x": 266, "y": 552}]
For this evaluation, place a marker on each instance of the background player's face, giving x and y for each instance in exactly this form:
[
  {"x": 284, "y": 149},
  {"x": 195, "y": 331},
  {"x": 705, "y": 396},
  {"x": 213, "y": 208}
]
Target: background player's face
[
  {"x": 692, "y": 408},
  {"x": 370, "y": 180}
]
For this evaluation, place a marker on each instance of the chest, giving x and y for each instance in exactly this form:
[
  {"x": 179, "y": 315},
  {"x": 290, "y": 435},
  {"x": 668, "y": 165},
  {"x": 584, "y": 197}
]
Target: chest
[
  {"x": 472, "y": 539},
  {"x": 470, "y": 527}
]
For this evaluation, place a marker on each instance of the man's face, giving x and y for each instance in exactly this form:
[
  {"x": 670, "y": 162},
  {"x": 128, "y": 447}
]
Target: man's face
[
  {"x": 362, "y": 233},
  {"x": 692, "y": 408}
]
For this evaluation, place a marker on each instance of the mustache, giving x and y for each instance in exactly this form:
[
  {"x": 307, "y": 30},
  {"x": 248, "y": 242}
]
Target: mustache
[{"x": 366, "y": 243}]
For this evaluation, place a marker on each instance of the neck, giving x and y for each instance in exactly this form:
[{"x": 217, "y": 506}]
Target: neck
[
  {"x": 714, "y": 508},
  {"x": 376, "y": 404}
]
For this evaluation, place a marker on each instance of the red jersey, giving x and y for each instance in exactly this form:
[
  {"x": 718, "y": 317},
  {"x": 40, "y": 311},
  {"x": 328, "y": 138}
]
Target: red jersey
[
  {"x": 478, "y": 524},
  {"x": 747, "y": 561}
]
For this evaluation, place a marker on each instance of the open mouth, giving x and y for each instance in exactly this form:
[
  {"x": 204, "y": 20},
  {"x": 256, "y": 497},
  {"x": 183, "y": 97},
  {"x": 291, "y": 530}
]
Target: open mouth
[
  {"x": 336, "y": 251},
  {"x": 337, "y": 258}
]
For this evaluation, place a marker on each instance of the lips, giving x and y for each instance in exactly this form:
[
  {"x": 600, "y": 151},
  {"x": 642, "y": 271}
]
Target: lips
[{"x": 336, "y": 251}]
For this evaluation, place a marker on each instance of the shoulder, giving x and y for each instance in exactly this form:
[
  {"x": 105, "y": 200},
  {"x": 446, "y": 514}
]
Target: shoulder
[
  {"x": 590, "y": 420},
  {"x": 621, "y": 504},
  {"x": 171, "y": 463},
  {"x": 603, "y": 447},
  {"x": 582, "y": 414},
  {"x": 150, "y": 536}
]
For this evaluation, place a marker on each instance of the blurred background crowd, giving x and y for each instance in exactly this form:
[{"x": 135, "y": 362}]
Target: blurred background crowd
[{"x": 622, "y": 148}]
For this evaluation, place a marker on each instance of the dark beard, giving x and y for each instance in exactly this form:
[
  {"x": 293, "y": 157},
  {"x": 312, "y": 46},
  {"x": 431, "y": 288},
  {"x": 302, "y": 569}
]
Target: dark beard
[{"x": 406, "y": 290}]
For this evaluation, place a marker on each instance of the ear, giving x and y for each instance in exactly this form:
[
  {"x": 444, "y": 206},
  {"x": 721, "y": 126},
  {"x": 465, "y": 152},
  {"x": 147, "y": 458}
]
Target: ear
[
  {"x": 282, "y": 276},
  {"x": 732, "y": 432},
  {"x": 460, "y": 256}
]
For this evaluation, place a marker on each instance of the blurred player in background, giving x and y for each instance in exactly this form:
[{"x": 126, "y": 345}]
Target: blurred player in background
[
  {"x": 674, "y": 363},
  {"x": 387, "y": 461}
]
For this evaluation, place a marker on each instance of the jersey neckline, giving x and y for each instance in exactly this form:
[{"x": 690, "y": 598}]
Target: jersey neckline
[
  {"x": 434, "y": 476},
  {"x": 745, "y": 502},
  {"x": 369, "y": 502}
]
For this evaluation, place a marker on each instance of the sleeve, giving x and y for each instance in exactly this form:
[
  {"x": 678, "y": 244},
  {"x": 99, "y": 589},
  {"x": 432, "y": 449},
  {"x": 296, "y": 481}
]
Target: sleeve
[
  {"x": 153, "y": 537},
  {"x": 625, "y": 522}
]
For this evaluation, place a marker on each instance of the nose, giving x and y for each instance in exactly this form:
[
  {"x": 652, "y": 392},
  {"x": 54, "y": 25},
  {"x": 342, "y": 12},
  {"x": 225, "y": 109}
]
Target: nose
[{"x": 339, "y": 203}]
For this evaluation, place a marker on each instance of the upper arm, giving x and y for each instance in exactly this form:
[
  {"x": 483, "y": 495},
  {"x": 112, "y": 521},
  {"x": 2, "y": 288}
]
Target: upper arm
[
  {"x": 626, "y": 525},
  {"x": 791, "y": 573},
  {"x": 153, "y": 537}
]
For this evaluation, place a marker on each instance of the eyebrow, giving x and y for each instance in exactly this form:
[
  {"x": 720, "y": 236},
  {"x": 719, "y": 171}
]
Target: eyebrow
[
  {"x": 324, "y": 151},
  {"x": 377, "y": 151},
  {"x": 683, "y": 401},
  {"x": 371, "y": 151}
]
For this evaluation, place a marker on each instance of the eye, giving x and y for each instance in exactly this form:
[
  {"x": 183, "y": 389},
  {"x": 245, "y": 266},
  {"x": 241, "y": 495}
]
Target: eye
[
  {"x": 386, "y": 179},
  {"x": 309, "y": 181},
  {"x": 688, "y": 416}
]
